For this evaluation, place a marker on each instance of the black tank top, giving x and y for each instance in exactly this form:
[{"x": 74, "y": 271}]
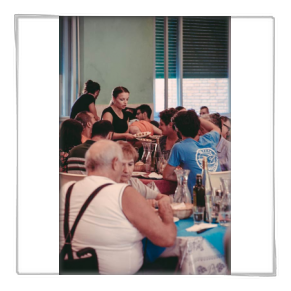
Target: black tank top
[{"x": 120, "y": 125}]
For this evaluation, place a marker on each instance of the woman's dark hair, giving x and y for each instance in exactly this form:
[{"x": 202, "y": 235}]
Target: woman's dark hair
[
  {"x": 70, "y": 134},
  {"x": 119, "y": 90},
  {"x": 187, "y": 123},
  {"x": 167, "y": 115},
  {"x": 91, "y": 87}
]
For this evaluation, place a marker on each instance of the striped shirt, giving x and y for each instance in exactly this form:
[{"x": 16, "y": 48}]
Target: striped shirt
[{"x": 76, "y": 159}]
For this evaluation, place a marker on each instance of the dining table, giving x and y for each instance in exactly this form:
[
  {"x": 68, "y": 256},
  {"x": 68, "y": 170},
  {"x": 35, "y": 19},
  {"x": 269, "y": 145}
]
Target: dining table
[
  {"x": 165, "y": 186},
  {"x": 199, "y": 253}
]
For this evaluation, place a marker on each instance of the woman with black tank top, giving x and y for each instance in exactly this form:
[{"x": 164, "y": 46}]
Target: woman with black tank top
[{"x": 117, "y": 115}]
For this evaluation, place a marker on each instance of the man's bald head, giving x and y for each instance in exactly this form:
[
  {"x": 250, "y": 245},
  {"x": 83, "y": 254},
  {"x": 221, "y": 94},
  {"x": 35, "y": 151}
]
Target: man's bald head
[{"x": 103, "y": 155}]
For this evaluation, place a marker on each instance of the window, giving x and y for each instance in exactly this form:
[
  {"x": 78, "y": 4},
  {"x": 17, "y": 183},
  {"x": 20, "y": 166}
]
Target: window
[
  {"x": 198, "y": 66},
  {"x": 68, "y": 63}
]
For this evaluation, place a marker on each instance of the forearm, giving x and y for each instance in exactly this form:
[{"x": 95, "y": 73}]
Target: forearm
[
  {"x": 118, "y": 136},
  {"x": 209, "y": 126},
  {"x": 93, "y": 110}
]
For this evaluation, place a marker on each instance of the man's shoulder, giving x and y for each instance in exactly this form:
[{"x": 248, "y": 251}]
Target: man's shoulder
[{"x": 80, "y": 150}]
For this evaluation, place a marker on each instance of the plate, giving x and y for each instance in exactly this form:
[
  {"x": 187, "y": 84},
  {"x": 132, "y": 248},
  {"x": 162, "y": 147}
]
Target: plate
[
  {"x": 155, "y": 136},
  {"x": 145, "y": 175},
  {"x": 137, "y": 174},
  {"x": 144, "y": 139},
  {"x": 176, "y": 219},
  {"x": 142, "y": 134}
]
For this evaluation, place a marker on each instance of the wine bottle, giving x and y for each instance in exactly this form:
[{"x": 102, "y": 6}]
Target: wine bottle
[
  {"x": 208, "y": 191},
  {"x": 198, "y": 192}
]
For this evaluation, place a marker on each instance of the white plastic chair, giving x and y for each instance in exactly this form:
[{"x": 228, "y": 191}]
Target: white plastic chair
[
  {"x": 216, "y": 178},
  {"x": 66, "y": 177}
]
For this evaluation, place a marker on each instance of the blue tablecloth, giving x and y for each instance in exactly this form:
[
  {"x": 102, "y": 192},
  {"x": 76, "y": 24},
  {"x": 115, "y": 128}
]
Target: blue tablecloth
[{"x": 214, "y": 236}]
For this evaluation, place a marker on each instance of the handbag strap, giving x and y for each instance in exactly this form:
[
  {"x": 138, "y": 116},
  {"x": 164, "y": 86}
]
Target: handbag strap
[{"x": 70, "y": 234}]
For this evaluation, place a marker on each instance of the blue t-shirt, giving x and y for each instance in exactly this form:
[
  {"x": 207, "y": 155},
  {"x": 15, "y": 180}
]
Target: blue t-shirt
[{"x": 189, "y": 155}]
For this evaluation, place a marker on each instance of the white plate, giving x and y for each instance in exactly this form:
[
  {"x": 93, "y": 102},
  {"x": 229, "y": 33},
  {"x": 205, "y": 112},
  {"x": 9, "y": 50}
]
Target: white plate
[
  {"x": 137, "y": 174},
  {"x": 176, "y": 219},
  {"x": 142, "y": 134},
  {"x": 155, "y": 136},
  {"x": 144, "y": 139},
  {"x": 145, "y": 175}
]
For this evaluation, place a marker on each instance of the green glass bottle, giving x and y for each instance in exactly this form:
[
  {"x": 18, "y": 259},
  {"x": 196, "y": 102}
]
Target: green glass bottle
[{"x": 198, "y": 192}]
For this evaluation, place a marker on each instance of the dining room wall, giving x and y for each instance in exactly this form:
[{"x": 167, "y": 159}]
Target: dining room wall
[{"x": 118, "y": 51}]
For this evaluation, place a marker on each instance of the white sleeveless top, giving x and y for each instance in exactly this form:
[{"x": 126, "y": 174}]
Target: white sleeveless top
[{"x": 103, "y": 226}]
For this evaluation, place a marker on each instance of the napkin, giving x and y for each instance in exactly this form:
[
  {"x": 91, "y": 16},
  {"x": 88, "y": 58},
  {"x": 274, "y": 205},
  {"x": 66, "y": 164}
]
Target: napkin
[
  {"x": 178, "y": 206},
  {"x": 155, "y": 175},
  {"x": 197, "y": 227}
]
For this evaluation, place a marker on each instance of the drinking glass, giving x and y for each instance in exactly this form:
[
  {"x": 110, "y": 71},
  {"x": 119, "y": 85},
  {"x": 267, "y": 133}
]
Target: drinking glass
[
  {"x": 226, "y": 185},
  {"x": 198, "y": 214}
]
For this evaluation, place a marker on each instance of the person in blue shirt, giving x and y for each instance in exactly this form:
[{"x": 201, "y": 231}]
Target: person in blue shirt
[{"x": 189, "y": 153}]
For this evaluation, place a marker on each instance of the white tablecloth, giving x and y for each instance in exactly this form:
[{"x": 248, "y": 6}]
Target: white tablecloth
[{"x": 197, "y": 257}]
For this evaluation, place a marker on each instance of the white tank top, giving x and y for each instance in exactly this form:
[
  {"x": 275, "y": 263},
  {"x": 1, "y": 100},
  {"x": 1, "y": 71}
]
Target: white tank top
[{"x": 103, "y": 226}]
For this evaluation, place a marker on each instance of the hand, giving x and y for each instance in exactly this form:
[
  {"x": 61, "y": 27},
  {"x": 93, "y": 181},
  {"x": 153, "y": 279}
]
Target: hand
[
  {"x": 165, "y": 210},
  {"x": 166, "y": 197},
  {"x": 152, "y": 202}
]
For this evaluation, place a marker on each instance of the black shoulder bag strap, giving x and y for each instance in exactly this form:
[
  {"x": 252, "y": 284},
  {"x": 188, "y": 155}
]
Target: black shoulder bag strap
[{"x": 67, "y": 249}]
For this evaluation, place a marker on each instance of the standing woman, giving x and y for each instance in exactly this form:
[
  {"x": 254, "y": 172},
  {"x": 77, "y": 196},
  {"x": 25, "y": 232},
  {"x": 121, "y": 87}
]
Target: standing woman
[
  {"x": 117, "y": 115},
  {"x": 86, "y": 102}
]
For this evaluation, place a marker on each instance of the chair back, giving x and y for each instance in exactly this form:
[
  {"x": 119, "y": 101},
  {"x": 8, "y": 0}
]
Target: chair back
[
  {"x": 66, "y": 177},
  {"x": 216, "y": 179}
]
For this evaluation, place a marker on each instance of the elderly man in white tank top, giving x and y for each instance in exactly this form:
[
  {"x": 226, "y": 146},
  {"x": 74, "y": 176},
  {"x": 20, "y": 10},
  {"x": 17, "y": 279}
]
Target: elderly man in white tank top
[{"x": 118, "y": 218}]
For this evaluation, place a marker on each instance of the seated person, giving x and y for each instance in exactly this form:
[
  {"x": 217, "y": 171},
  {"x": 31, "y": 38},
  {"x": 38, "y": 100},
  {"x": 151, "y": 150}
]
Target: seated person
[
  {"x": 87, "y": 119},
  {"x": 76, "y": 161},
  {"x": 223, "y": 147},
  {"x": 181, "y": 108},
  {"x": 204, "y": 110},
  {"x": 131, "y": 112},
  {"x": 130, "y": 156},
  {"x": 70, "y": 135},
  {"x": 143, "y": 114},
  {"x": 118, "y": 218},
  {"x": 190, "y": 151},
  {"x": 225, "y": 127},
  {"x": 170, "y": 136}
]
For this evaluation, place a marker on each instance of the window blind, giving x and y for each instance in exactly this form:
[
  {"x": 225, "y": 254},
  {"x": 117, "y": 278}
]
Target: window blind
[
  {"x": 205, "y": 47},
  {"x": 172, "y": 45}
]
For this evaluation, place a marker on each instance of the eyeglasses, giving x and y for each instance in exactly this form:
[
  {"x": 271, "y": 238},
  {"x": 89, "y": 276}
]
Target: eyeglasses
[
  {"x": 226, "y": 126},
  {"x": 175, "y": 127}
]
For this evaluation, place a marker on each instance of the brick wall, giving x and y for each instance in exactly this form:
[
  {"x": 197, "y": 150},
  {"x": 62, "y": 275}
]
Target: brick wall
[{"x": 212, "y": 93}]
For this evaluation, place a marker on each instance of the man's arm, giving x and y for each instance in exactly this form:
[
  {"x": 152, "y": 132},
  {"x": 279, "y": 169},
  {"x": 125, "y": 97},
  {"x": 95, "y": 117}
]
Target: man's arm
[
  {"x": 160, "y": 230},
  {"x": 157, "y": 130},
  {"x": 169, "y": 173},
  {"x": 209, "y": 126}
]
